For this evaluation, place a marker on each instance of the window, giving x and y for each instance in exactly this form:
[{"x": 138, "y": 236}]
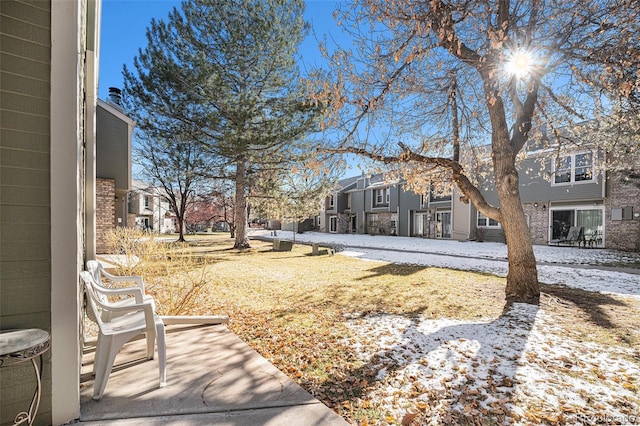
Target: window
[
  {"x": 146, "y": 202},
  {"x": 563, "y": 170},
  {"x": 333, "y": 224},
  {"x": 573, "y": 168},
  {"x": 393, "y": 224},
  {"x": 348, "y": 201},
  {"x": 331, "y": 201},
  {"x": 583, "y": 167},
  {"x": 440, "y": 192},
  {"x": 485, "y": 222},
  {"x": 381, "y": 197}
]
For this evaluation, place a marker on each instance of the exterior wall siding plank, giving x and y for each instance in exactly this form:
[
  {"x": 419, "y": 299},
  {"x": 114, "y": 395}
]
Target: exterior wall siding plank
[
  {"x": 34, "y": 12},
  {"x": 20, "y": 195},
  {"x": 18, "y": 158},
  {"x": 27, "y": 29},
  {"x": 18, "y": 102},
  {"x": 15, "y": 83}
]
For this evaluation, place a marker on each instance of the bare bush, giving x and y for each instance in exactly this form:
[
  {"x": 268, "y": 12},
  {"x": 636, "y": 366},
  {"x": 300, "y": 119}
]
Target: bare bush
[{"x": 174, "y": 275}]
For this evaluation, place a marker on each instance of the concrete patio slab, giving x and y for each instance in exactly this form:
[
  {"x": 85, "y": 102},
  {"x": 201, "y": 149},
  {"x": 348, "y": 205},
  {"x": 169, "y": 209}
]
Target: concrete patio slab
[{"x": 213, "y": 378}]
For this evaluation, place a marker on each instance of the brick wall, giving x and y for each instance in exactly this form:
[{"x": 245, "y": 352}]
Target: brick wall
[
  {"x": 105, "y": 212},
  {"x": 622, "y": 234},
  {"x": 538, "y": 222}
]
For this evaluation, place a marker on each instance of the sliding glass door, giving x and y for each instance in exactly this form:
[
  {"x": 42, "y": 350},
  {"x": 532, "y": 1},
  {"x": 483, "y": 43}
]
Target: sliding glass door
[
  {"x": 561, "y": 221},
  {"x": 591, "y": 219}
]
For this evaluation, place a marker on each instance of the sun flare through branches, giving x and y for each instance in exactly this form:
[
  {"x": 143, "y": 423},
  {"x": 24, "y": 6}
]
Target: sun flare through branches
[{"x": 519, "y": 63}]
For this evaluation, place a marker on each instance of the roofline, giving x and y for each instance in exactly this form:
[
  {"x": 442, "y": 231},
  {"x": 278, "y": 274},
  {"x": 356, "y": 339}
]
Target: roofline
[{"x": 121, "y": 115}]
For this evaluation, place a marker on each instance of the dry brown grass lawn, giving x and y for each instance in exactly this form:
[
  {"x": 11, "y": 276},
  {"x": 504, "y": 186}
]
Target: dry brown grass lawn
[{"x": 293, "y": 307}]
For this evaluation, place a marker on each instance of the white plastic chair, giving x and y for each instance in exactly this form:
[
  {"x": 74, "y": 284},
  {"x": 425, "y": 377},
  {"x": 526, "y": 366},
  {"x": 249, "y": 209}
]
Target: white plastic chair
[
  {"x": 97, "y": 272},
  {"x": 117, "y": 325}
]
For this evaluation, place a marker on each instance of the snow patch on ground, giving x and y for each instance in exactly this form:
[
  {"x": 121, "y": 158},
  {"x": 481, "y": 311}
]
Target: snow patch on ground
[{"x": 496, "y": 369}]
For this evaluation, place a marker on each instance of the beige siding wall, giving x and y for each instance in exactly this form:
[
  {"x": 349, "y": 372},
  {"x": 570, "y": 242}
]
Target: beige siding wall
[
  {"x": 461, "y": 218},
  {"x": 25, "y": 228}
]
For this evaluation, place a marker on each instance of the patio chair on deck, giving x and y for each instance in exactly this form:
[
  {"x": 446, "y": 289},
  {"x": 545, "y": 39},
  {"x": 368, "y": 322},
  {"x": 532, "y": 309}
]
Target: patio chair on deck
[
  {"x": 593, "y": 238},
  {"x": 575, "y": 235},
  {"x": 137, "y": 290},
  {"x": 117, "y": 325}
]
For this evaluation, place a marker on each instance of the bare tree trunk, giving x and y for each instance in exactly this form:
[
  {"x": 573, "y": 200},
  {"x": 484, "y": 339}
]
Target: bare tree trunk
[
  {"x": 522, "y": 278},
  {"x": 181, "y": 230},
  {"x": 455, "y": 123},
  {"x": 230, "y": 223},
  {"x": 242, "y": 241}
]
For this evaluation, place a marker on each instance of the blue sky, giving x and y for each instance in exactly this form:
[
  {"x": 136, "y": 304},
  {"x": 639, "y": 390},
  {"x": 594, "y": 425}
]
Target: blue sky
[
  {"x": 124, "y": 24},
  {"x": 123, "y": 32}
]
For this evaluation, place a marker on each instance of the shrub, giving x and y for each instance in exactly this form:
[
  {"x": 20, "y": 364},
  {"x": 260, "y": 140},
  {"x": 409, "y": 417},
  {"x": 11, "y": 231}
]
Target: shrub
[{"x": 174, "y": 275}]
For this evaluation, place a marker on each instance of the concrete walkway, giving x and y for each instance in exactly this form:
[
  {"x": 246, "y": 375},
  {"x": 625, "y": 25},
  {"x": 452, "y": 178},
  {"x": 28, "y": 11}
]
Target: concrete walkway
[
  {"x": 626, "y": 270},
  {"x": 213, "y": 378}
]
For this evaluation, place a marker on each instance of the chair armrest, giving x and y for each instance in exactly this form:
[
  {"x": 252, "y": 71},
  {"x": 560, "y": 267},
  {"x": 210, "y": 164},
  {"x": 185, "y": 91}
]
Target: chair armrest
[
  {"x": 136, "y": 292},
  {"x": 120, "y": 279},
  {"x": 146, "y": 306}
]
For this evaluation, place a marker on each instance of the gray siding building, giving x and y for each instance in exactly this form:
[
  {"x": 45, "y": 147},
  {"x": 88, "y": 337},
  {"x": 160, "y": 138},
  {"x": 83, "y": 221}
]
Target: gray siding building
[{"x": 559, "y": 190}]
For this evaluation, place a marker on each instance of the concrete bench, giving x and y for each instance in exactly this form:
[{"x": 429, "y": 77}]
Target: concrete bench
[
  {"x": 282, "y": 245},
  {"x": 315, "y": 250}
]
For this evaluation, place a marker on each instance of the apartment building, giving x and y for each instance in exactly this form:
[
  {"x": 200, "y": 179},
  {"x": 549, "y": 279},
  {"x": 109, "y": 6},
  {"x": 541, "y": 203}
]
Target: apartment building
[
  {"x": 559, "y": 189},
  {"x": 149, "y": 210}
]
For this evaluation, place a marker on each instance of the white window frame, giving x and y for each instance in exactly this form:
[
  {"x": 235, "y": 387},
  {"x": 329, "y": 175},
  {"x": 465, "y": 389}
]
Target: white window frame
[
  {"x": 332, "y": 201},
  {"x": 348, "y": 200},
  {"x": 333, "y": 224},
  {"x": 378, "y": 195},
  {"x": 381, "y": 197},
  {"x": 572, "y": 180},
  {"x": 487, "y": 221},
  {"x": 393, "y": 223}
]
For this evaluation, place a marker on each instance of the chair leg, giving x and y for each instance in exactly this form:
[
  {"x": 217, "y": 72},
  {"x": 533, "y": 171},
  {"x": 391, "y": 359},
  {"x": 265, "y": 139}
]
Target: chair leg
[
  {"x": 96, "y": 357},
  {"x": 151, "y": 341},
  {"x": 100, "y": 366},
  {"x": 109, "y": 349},
  {"x": 162, "y": 351}
]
